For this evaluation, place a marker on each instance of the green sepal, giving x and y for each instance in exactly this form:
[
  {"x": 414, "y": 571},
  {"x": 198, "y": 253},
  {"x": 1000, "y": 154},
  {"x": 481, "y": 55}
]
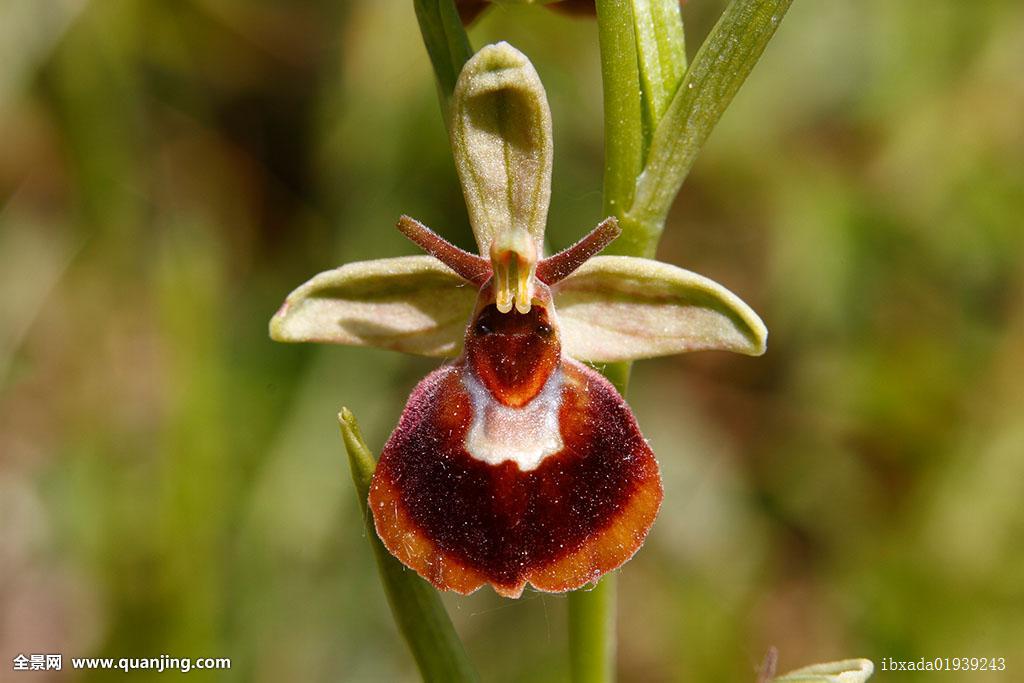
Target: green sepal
[
  {"x": 413, "y": 304},
  {"x": 618, "y": 308},
  {"x": 502, "y": 145}
]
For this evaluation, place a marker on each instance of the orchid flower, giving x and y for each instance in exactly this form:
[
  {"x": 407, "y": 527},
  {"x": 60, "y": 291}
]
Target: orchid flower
[{"x": 515, "y": 462}]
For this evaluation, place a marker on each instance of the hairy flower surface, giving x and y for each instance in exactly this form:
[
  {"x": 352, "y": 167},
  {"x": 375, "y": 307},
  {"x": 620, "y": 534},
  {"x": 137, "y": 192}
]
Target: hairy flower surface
[{"x": 515, "y": 463}]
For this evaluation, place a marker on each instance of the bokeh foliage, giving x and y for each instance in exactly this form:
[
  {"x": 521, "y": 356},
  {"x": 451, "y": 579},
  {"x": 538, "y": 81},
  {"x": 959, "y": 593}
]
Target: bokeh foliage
[{"x": 171, "y": 481}]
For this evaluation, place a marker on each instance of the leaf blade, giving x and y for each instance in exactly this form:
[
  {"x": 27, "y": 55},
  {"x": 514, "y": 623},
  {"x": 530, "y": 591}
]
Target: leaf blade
[
  {"x": 661, "y": 54},
  {"x": 718, "y": 70}
]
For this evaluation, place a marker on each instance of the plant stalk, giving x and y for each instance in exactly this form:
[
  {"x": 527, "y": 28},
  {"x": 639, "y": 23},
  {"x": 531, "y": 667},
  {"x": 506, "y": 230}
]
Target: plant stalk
[
  {"x": 592, "y": 613},
  {"x": 623, "y": 115},
  {"x": 592, "y": 632}
]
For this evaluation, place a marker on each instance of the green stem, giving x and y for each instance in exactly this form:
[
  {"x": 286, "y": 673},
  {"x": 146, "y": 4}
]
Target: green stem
[
  {"x": 592, "y": 632},
  {"x": 623, "y": 117},
  {"x": 592, "y": 612}
]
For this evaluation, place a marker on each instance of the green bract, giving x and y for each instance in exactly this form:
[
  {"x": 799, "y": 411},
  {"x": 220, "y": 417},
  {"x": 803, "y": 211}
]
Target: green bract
[{"x": 612, "y": 308}]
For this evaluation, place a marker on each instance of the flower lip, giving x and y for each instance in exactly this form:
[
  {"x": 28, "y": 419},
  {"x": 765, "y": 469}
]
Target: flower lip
[{"x": 462, "y": 522}]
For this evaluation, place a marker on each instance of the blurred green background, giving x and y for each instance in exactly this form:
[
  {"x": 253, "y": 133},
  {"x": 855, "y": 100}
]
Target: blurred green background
[{"x": 171, "y": 481}]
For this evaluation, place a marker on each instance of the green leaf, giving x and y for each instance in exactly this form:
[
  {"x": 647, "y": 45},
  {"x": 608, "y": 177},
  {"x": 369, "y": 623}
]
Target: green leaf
[
  {"x": 643, "y": 60},
  {"x": 845, "y": 671},
  {"x": 661, "y": 54},
  {"x": 617, "y": 308},
  {"x": 446, "y": 42},
  {"x": 501, "y": 141},
  {"x": 721, "y": 66},
  {"x": 413, "y": 304},
  {"x": 415, "y": 604}
]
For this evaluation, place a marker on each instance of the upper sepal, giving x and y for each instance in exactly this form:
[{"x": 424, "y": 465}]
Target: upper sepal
[
  {"x": 618, "y": 308},
  {"x": 502, "y": 145},
  {"x": 413, "y": 304}
]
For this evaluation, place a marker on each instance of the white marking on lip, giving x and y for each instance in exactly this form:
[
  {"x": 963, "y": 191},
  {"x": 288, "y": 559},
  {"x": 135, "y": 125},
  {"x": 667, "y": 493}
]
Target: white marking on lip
[{"x": 524, "y": 435}]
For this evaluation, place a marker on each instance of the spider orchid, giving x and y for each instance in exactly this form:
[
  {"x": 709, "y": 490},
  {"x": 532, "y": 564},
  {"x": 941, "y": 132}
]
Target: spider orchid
[{"x": 514, "y": 462}]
